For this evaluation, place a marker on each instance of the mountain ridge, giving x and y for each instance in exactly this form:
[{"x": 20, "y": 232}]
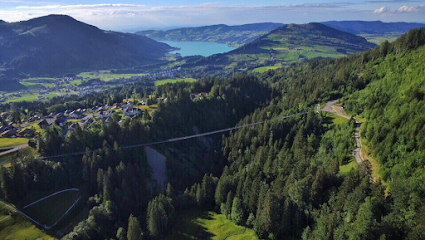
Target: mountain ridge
[
  {"x": 373, "y": 27},
  {"x": 235, "y": 35},
  {"x": 56, "y": 44},
  {"x": 293, "y": 43}
]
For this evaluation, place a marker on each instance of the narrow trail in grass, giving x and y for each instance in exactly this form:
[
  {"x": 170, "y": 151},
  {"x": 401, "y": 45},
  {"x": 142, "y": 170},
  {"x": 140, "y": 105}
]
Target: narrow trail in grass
[
  {"x": 12, "y": 150},
  {"x": 5, "y": 218},
  {"x": 35, "y": 202}
]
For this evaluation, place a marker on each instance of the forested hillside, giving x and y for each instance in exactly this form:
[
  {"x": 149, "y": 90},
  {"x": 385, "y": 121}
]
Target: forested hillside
[{"x": 283, "y": 178}]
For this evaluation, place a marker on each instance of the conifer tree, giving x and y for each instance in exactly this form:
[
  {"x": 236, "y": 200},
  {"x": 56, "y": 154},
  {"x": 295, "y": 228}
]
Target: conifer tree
[
  {"x": 237, "y": 211},
  {"x": 134, "y": 231}
]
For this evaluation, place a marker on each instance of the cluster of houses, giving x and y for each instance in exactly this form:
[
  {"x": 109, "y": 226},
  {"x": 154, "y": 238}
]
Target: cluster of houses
[
  {"x": 10, "y": 131},
  {"x": 163, "y": 74},
  {"x": 82, "y": 91},
  {"x": 87, "y": 119}
]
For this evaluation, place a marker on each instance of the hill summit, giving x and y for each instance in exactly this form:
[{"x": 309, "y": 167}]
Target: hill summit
[
  {"x": 315, "y": 37},
  {"x": 293, "y": 43},
  {"x": 58, "y": 44}
]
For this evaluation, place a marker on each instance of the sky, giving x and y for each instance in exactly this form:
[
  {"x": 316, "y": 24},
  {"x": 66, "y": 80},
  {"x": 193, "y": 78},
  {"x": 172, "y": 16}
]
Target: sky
[{"x": 131, "y": 15}]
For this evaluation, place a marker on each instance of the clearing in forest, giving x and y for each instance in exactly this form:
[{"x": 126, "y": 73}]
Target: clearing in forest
[{"x": 209, "y": 226}]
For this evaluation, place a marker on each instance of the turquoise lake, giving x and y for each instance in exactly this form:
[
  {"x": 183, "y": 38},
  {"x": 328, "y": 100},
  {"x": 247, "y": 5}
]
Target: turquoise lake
[{"x": 198, "y": 48}]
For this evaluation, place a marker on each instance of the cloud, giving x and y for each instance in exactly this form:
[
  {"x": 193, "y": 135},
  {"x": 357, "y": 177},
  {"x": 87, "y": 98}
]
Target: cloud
[
  {"x": 392, "y": 1},
  {"x": 118, "y": 16},
  {"x": 82, "y": 6},
  {"x": 382, "y": 10},
  {"x": 410, "y": 9},
  {"x": 403, "y": 9}
]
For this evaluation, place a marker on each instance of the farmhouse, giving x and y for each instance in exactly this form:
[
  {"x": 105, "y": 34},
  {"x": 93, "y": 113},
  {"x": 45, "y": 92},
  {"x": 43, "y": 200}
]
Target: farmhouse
[
  {"x": 103, "y": 115},
  {"x": 76, "y": 114},
  {"x": 133, "y": 112},
  {"x": 9, "y": 133},
  {"x": 25, "y": 133},
  {"x": 44, "y": 124}
]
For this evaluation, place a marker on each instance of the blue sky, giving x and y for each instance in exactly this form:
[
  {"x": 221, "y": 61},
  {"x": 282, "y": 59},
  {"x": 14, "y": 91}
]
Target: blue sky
[{"x": 156, "y": 14}]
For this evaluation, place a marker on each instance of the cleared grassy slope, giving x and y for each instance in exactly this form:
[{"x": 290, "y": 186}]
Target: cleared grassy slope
[{"x": 209, "y": 226}]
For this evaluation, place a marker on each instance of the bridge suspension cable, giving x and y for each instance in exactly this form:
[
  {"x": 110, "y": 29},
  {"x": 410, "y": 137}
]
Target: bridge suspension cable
[{"x": 183, "y": 138}]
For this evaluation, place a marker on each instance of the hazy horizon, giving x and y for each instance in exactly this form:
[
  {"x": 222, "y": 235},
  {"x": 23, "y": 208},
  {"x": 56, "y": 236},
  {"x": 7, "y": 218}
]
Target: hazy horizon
[{"x": 132, "y": 15}]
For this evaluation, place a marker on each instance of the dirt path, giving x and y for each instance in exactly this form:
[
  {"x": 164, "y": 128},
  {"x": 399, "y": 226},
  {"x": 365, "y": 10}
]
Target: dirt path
[
  {"x": 337, "y": 110},
  {"x": 12, "y": 150},
  {"x": 36, "y": 222}
]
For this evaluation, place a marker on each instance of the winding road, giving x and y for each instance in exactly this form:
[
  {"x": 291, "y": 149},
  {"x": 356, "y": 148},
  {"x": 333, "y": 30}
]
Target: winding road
[
  {"x": 329, "y": 107},
  {"x": 337, "y": 110}
]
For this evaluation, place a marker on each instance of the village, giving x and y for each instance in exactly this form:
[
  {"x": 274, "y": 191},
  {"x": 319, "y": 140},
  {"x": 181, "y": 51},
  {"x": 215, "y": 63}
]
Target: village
[
  {"x": 77, "y": 85},
  {"x": 69, "y": 120}
]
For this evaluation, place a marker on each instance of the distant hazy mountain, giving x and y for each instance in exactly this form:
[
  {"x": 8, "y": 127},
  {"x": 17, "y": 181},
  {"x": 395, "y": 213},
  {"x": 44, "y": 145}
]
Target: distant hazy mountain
[
  {"x": 231, "y": 35},
  {"x": 58, "y": 44},
  {"x": 375, "y": 27}
]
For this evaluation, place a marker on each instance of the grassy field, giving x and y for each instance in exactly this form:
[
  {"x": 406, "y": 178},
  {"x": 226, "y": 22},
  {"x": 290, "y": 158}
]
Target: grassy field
[
  {"x": 50, "y": 210},
  {"x": 379, "y": 38},
  {"x": 7, "y": 142},
  {"x": 209, "y": 226},
  {"x": 265, "y": 69},
  {"x": 24, "y": 152},
  {"x": 106, "y": 75},
  {"x": 150, "y": 108},
  {"x": 17, "y": 227},
  {"x": 330, "y": 118},
  {"x": 169, "y": 80},
  {"x": 30, "y": 97},
  {"x": 337, "y": 119},
  {"x": 74, "y": 82},
  {"x": 344, "y": 169},
  {"x": 35, "y": 83},
  {"x": 35, "y": 127}
]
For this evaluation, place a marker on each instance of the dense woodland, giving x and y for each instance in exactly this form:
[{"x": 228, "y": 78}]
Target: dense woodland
[{"x": 281, "y": 178}]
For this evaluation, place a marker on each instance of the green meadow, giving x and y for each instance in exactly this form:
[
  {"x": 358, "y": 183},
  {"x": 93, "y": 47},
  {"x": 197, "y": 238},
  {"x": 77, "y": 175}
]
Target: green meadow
[
  {"x": 18, "y": 227},
  {"x": 50, "y": 210},
  {"x": 7, "y": 142},
  {"x": 106, "y": 75},
  {"x": 265, "y": 68},
  {"x": 209, "y": 226},
  {"x": 169, "y": 80}
]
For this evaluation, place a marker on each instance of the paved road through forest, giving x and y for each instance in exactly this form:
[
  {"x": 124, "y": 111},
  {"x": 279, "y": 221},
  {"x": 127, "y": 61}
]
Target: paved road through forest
[{"x": 332, "y": 108}]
